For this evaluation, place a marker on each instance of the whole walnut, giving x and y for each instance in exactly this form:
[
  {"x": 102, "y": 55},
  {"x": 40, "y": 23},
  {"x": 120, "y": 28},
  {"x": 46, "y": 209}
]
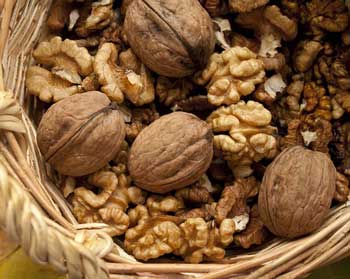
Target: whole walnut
[
  {"x": 296, "y": 192},
  {"x": 81, "y": 133},
  {"x": 171, "y": 153},
  {"x": 174, "y": 38}
]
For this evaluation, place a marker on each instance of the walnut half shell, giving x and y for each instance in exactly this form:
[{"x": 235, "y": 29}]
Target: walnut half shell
[
  {"x": 173, "y": 152},
  {"x": 81, "y": 133}
]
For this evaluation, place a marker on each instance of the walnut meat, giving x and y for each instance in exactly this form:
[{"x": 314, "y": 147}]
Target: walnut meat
[
  {"x": 47, "y": 86},
  {"x": 172, "y": 38},
  {"x": 81, "y": 133},
  {"x": 243, "y": 6},
  {"x": 135, "y": 83},
  {"x": 173, "y": 152},
  {"x": 231, "y": 74},
  {"x": 153, "y": 238},
  {"x": 65, "y": 58},
  {"x": 296, "y": 192},
  {"x": 245, "y": 135}
]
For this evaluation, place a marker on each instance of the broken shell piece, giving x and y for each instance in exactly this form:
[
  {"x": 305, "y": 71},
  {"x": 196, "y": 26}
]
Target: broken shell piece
[
  {"x": 308, "y": 137},
  {"x": 274, "y": 85},
  {"x": 73, "y": 18},
  {"x": 223, "y": 25}
]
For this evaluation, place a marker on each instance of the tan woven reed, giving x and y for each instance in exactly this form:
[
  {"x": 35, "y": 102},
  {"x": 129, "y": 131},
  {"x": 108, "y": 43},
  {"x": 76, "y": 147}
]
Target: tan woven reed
[{"x": 34, "y": 214}]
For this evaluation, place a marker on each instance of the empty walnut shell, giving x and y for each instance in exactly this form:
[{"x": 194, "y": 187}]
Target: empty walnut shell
[
  {"x": 171, "y": 153},
  {"x": 173, "y": 38},
  {"x": 296, "y": 192},
  {"x": 81, "y": 133}
]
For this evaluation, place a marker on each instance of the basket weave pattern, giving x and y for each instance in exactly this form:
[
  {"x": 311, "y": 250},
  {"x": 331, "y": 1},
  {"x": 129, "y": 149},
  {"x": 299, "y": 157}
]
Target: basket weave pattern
[{"x": 33, "y": 212}]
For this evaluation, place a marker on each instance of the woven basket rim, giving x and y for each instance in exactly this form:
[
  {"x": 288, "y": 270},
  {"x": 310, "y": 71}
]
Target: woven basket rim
[{"x": 35, "y": 211}]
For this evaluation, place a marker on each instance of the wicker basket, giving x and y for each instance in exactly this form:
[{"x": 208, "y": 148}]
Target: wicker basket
[{"x": 33, "y": 212}]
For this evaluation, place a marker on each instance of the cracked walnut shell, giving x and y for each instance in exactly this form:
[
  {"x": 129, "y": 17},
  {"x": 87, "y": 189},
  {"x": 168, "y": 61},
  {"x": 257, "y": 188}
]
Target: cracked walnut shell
[
  {"x": 81, "y": 133},
  {"x": 296, "y": 192},
  {"x": 173, "y": 38},
  {"x": 171, "y": 153}
]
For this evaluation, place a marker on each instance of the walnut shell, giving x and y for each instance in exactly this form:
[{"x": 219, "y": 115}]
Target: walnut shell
[
  {"x": 81, "y": 133},
  {"x": 173, "y": 38},
  {"x": 171, "y": 153},
  {"x": 296, "y": 192}
]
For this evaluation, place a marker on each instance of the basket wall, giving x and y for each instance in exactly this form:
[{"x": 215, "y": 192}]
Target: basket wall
[{"x": 33, "y": 212}]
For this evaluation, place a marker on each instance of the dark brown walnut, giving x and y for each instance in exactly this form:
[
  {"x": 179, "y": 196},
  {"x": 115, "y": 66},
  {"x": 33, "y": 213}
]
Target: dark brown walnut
[
  {"x": 233, "y": 200},
  {"x": 255, "y": 232},
  {"x": 173, "y": 38},
  {"x": 215, "y": 7},
  {"x": 171, "y": 153},
  {"x": 342, "y": 191},
  {"x": 59, "y": 15},
  {"x": 296, "y": 192},
  {"x": 196, "y": 103},
  {"x": 340, "y": 146},
  {"x": 81, "y": 133}
]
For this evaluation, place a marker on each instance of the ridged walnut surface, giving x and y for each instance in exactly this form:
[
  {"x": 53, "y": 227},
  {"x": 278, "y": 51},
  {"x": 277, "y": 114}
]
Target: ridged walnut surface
[
  {"x": 81, "y": 133},
  {"x": 173, "y": 152},
  {"x": 296, "y": 192},
  {"x": 172, "y": 38}
]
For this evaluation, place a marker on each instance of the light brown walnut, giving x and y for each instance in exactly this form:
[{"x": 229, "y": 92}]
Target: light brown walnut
[
  {"x": 296, "y": 192},
  {"x": 171, "y": 153},
  {"x": 81, "y": 134}
]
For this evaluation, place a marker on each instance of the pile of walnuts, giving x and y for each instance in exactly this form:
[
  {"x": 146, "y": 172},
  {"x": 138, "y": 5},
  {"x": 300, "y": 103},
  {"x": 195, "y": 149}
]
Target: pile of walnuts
[{"x": 161, "y": 120}]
